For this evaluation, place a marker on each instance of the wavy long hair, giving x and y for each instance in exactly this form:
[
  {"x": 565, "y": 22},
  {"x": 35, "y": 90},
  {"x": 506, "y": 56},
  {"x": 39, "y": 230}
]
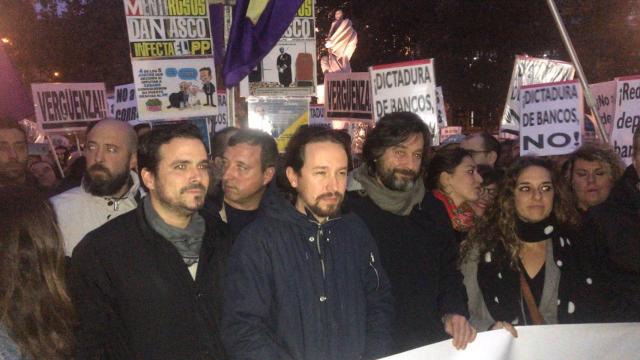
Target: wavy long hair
[
  {"x": 498, "y": 226},
  {"x": 35, "y": 307}
]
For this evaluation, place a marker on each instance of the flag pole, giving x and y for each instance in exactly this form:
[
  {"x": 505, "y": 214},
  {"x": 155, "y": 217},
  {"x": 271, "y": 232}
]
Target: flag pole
[{"x": 576, "y": 62}]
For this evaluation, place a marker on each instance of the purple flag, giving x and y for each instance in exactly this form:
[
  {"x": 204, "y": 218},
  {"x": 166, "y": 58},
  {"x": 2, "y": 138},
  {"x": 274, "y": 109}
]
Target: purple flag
[
  {"x": 14, "y": 99},
  {"x": 249, "y": 43}
]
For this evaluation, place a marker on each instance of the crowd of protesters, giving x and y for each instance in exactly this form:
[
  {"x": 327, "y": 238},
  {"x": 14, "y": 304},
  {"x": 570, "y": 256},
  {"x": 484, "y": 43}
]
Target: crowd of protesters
[{"x": 151, "y": 248}]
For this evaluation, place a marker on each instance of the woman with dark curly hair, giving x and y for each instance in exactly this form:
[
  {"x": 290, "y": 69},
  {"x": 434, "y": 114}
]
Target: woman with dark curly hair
[
  {"x": 35, "y": 310},
  {"x": 518, "y": 262}
]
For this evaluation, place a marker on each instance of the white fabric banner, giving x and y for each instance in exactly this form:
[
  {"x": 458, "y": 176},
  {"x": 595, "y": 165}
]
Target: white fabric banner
[{"x": 548, "y": 342}]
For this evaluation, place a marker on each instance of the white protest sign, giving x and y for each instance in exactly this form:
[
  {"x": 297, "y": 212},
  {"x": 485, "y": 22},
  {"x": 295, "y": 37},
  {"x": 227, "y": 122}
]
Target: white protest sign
[
  {"x": 221, "y": 120},
  {"x": 408, "y": 86},
  {"x": 551, "y": 118},
  {"x": 347, "y": 96},
  {"x": 442, "y": 113},
  {"x": 316, "y": 116},
  {"x": 125, "y": 107},
  {"x": 551, "y": 342},
  {"x": 68, "y": 106},
  {"x": 605, "y": 95},
  {"x": 529, "y": 71},
  {"x": 627, "y": 116}
]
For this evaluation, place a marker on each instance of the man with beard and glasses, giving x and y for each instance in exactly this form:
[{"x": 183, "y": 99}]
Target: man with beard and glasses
[
  {"x": 13, "y": 153},
  {"x": 420, "y": 257},
  {"x": 303, "y": 279},
  {"x": 109, "y": 187},
  {"x": 146, "y": 285}
]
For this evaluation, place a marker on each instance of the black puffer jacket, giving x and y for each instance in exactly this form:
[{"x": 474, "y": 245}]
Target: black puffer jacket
[
  {"x": 611, "y": 246},
  {"x": 300, "y": 290}
]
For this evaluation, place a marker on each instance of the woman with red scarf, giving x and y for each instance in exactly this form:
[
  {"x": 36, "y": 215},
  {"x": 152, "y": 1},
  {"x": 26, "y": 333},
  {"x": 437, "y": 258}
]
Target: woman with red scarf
[{"x": 454, "y": 182}]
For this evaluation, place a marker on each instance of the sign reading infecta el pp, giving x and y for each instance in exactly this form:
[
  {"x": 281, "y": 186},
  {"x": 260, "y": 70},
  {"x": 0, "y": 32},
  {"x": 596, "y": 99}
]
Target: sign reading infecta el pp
[
  {"x": 627, "y": 116},
  {"x": 68, "y": 106},
  {"x": 551, "y": 118},
  {"x": 529, "y": 71},
  {"x": 408, "y": 86},
  {"x": 168, "y": 28},
  {"x": 125, "y": 107},
  {"x": 347, "y": 96},
  {"x": 605, "y": 95}
]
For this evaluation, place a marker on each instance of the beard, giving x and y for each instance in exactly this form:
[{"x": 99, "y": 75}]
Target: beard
[
  {"x": 179, "y": 205},
  {"x": 328, "y": 210},
  {"x": 105, "y": 184},
  {"x": 13, "y": 172},
  {"x": 397, "y": 179}
]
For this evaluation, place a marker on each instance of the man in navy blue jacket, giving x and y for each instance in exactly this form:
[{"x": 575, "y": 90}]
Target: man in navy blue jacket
[{"x": 304, "y": 281}]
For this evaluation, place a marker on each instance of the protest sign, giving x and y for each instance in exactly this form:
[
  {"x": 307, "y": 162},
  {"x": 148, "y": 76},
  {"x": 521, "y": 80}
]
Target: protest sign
[
  {"x": 442, "y": 112},
  {"x": 529, "y": 71},
  {"x": 316, "y": 116},
  {"x": 221, "y": 120},
  {"x": 111, "y": 101},
  {"x": 408, "y": 86},
  {"x": 584, "y": 342},
  {"x": 166, "y": 28},
  {"x": 627, "y": 116},
  {"x": 289, "y": 69},
  {"x": 347, "y": 96},
  {"x": 449, "y": 131},
  {"x": 168, "y": 89},
  {"x": 278, "y": 117},
  {"x": 551, "y": 118},
  {"x": 605, "y": 95},
  {"x": 200, "y": 122},
  {"x": 125, "y": 106},
  {"x": 68, "y": 106}
]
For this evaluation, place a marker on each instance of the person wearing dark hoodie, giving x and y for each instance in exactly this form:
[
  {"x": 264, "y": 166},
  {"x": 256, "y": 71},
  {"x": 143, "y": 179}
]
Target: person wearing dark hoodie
[
  {"x": 611, "y": 244},
  {"x": 303, "y": 280},
  {"x": 418, "y": 252}
]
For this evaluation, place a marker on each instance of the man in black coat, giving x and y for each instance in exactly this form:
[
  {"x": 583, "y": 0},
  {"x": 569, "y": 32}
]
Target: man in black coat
[
  {"x": 283, "y": 63},
  {"x": 304, "y": 281},
  {"x": 147, "y": 284},
  {"x": 420, "y": 257}
]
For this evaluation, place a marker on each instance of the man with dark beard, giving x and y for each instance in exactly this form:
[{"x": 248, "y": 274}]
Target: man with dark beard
[
  {"x": 146, "y": 284},
  {"x": 109, "y": 187},
  {"x": 419, "y": 256},
  {"x": 13, "y": 153},
  {"x": 303, "y": 280}
]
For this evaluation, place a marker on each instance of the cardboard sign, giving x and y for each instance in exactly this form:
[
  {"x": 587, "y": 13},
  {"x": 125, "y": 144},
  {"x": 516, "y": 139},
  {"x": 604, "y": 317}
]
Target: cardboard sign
[
  {"x": 347, "y": 96},
  {"x": 551, "y": 118},
  {"x": 605, "y": 95},
  {"x": 168, "y": 89},
  {"x": 168, "y": 29},
  {"x": 627, "y": 116},
  {"x": 408, "y": 86},
  {"x": 290, "y": 68},
  {"x": 125, "y": 106},
  {"x": 316, "y": 116},
  {"x": 280, "y": 118},
  {"x": 68, "y": 106},
  {"x": 529, "y": 71},
  {"x": 442, "y": 113},
  {"x": 221, "y": 120}
]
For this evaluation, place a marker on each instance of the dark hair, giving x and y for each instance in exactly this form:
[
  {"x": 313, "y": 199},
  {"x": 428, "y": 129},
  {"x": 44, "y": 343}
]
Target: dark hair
[
  {"x": 444, "y": 160},
  {"x": 294, "y": 153},
  {"x": 392, "y": 130},
  {"x": 490, "y": 175},
  {"x": 220, "y": 139},
  {"x": 489, "y": 143},
  {"x": 498, "y": 226},
  {"x": 34, "y": 304},
  {"x": 593, "y": 152},
  {"x": 268, "y": 146},
  {"x": 9, "y": 123},
  {"x": 208, "y": 69},
  {"x": 150, "y": 143}
]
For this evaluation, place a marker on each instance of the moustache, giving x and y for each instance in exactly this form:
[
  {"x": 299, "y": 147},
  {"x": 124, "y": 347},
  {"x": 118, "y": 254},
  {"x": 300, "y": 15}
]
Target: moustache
[
  {"x": 406, "y": 172},
  {"x": 196, "y": 186},
  {"x": 336, "y": 194},
  {"x": 100, "y": 167}
]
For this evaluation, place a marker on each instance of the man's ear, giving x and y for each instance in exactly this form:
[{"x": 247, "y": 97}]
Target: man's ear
[
  {"x": 292, "y": 177},
  {"x": 148, "y": 179},
  {"x": 267, "y": 176},
  {"x": 444, "y": 180},
  {"x": 133, "y": 160},
  {"x": 492, "y": 156}
]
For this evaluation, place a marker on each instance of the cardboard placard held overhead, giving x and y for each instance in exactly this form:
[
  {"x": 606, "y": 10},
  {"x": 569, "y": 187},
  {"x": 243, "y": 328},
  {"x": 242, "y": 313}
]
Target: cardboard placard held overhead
[
  {"x": 442, "y": 111},
  {"x": 347, "y": 96},
  {"x": 125, "y": 106},
  {"x": 528, "y": 71},
  {"x": 68, "y": 106},
  {"x": 221, "y": 120},
  {"x": 551, "y": 118},
  {"x": 316, "y": 116},
  {"x": 605, "y": 95},
  {"x": 627, "y": 116},
  {"x": 408, "y": 86}
]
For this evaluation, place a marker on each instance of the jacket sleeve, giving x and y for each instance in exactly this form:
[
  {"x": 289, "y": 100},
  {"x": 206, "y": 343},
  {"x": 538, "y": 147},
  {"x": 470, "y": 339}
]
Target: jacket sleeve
[
  {"x": 248, "y": 294},
  {"x": 90, "y": 292},
  {"x": 452, "y": 296},
  {"x": 379, "y": 304}
]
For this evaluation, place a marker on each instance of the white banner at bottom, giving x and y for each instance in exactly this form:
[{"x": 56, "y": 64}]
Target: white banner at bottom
[{"x": 549, "y": 342}]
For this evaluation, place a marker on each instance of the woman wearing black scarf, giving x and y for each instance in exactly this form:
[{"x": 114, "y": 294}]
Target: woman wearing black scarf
[{"x": 518, "y": 261}]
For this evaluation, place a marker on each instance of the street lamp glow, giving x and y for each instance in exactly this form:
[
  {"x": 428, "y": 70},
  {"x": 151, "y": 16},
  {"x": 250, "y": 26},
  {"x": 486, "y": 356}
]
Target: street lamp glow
[{"x": 56, "y": 74}]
